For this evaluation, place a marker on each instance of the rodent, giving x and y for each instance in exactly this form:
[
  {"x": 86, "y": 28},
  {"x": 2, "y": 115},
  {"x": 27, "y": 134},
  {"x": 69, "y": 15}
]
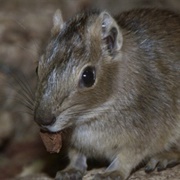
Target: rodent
[{"x": 115, "y": 83}]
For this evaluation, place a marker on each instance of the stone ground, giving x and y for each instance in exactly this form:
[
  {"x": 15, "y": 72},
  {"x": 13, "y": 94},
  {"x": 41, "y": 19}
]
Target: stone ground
[{"x": 24, "y": 26}]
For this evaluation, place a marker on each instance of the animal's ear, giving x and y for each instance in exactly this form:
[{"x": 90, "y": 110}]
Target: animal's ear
[
  {"x": 58, "y": 22},
  {"x": 111, "y": 33}
]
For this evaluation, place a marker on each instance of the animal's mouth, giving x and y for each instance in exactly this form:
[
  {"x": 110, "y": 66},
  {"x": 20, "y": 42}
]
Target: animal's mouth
[
  {"x": 45, "y": 129},
  {"x": 59, "y": 125}
]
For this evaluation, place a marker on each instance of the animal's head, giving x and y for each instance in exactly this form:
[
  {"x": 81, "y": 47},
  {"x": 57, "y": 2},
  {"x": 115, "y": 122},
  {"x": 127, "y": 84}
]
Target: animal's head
[{"x": 76, "y": 72}]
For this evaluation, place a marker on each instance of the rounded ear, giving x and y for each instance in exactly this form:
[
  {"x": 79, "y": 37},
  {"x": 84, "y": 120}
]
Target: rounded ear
[
  {"x": 111, "y": 33},
  {"x": 58, "y": 22}
]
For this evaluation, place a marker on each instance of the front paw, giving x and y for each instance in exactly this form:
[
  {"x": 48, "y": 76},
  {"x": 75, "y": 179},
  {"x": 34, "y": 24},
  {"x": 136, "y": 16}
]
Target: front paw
[
  {"x": 109, "y": 176},
  {"x": 70, "y": 174}
]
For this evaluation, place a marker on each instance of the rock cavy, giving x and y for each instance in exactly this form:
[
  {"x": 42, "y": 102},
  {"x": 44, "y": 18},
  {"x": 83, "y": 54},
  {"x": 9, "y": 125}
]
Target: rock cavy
[{"x": 114, "y": 84}]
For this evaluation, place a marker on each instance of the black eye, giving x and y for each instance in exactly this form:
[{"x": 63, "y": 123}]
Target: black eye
[{"x": 88, "y": 77}]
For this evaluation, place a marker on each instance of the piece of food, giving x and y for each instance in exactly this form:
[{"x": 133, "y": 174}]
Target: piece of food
[{"x": 52, "y": 141}]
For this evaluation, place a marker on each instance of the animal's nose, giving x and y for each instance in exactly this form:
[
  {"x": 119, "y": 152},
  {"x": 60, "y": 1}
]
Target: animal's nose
[{"x": 44, "y": 120}]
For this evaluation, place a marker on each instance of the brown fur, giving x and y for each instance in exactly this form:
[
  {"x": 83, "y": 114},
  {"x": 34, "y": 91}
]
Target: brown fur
[{"x": 132, "y": 112}]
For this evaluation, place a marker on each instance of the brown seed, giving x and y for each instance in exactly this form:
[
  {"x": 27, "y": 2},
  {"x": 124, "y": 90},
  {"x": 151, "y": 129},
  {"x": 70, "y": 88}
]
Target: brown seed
[{"x": 52, "y": 141}]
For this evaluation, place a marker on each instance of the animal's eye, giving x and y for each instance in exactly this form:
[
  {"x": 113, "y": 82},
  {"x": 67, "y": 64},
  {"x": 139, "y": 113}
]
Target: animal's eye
[{"x": 88, "y": 77}]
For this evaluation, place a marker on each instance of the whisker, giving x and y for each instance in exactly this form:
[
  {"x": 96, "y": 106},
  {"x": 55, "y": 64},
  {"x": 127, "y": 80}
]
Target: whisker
[
  {"x": 19, "y": 101},
  {"x": 25, "y": 104},
  {"x": 25, "y": 112},
  {"x": 29, "y": 87},
  {"x": 22, "y": 26},
  {"x": 25, "y": 93},
  {"x": 30, "y": 51},
  {"x": 24, "y": 85},
  {"x": 25, "y": 96},
  {"x": 85, "y": 111},
  {"x": 22, "y": 102}
]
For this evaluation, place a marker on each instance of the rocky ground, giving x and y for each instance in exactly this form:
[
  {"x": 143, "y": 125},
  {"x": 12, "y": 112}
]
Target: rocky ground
[{"x": 24, "y": 27}]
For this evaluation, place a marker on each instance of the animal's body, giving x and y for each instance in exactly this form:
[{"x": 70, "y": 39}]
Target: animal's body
[{"x": 115, "y": 83}]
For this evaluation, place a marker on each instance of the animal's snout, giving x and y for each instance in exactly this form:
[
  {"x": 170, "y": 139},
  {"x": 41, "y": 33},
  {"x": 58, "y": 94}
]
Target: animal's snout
[{"x": 44, "y": 120}]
